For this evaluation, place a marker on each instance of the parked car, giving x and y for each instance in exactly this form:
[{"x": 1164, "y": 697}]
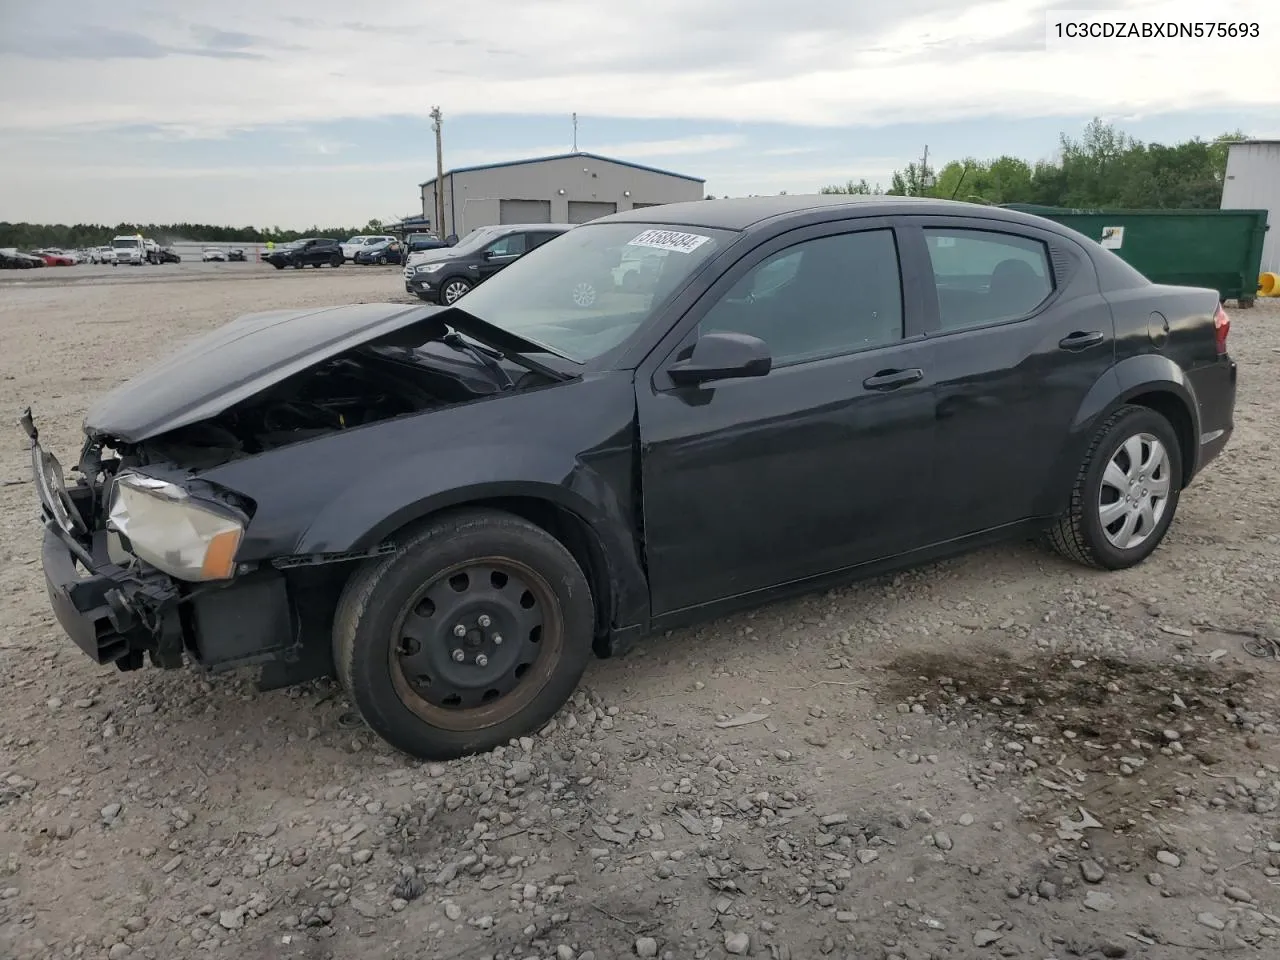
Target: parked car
[
  {"x": 213, "y": 255},
  {"x": 450, "y": 509},
  {"x": 168, "y": 255},
  {"x": 312, "y": 252},
  {"x": 417, "y": 242},
  {"x": 56, "y": 258},
  {"x": 102, "y": 255},
  {"x": 389, "y": 251},
  {"x": 12, "y": 258},
  {"x": 444, "y": 275},
  {"x": 237, "y": 256},
  {"x": 356, "y": 244}
]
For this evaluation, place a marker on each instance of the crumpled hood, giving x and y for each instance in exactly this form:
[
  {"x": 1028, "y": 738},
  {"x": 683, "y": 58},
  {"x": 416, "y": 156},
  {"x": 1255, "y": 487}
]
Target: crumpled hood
[{"x": 236, "y": 361}]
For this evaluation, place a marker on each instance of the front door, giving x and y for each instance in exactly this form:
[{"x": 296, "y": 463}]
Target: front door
[
  {"x": 1022, "y": 334},
  {"x": 501, "y": 252},
  {"x": 822, "y": 464}
]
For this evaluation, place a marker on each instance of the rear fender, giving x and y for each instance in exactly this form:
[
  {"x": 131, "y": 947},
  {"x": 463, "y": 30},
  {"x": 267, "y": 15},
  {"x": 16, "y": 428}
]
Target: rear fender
[{"x": 1148, "y": 379}]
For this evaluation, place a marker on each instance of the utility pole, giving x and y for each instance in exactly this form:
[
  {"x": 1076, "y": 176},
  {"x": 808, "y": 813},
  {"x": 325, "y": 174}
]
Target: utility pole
[
  {"x": 924, "y": 171},
  {"x": 438, "y": 120},
  {"x": 575, "y": 133}
]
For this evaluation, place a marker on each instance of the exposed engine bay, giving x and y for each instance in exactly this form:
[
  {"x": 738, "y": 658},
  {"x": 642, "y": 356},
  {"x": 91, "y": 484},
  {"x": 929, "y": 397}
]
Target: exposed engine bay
[{"x": 347, "y": 391}]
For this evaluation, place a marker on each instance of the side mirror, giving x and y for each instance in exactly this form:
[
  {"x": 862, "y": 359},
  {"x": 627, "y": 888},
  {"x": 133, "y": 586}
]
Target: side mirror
[
  {"x": 722, "y": 356},
  {"x": 487, "y": 255}
]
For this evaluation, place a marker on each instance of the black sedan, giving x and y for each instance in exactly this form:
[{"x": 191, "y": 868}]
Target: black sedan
[
  {"x": 451, "y": 508},
  {"x": 13, "y": 259},
  {"x": 389, "y": 251}
]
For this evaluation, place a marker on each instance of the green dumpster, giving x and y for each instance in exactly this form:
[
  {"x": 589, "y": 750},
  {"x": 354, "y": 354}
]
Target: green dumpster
[{"x": 1220, "y": 249}]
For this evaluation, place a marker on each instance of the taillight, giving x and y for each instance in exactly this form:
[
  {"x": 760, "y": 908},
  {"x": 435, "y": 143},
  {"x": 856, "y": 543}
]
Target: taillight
[{"x": 1221, "y": 327}]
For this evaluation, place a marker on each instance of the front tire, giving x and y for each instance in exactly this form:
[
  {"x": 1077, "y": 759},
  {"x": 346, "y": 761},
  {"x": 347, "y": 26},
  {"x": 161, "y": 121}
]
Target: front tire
[
  {"x": 1125, "y": 494},
  {"x": 453, "y": 290},
  {"x": 475, "y": 631}
]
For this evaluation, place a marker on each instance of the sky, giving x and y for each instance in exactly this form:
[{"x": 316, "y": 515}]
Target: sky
[{"x": 315, "y": 112}]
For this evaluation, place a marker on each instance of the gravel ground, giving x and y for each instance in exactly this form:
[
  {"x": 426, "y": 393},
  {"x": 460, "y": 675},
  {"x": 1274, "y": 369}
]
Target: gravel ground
[{"x": 1003, "y": 755}]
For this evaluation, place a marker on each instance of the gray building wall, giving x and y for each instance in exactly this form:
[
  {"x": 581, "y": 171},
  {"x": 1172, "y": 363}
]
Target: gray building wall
[
  {"x": 568, "y": 189},
  {"x": 1253, "y": 183}
]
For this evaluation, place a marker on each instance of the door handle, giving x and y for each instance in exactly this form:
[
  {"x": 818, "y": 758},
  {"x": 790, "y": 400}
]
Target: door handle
[
  {"x": 893, "y": 379},
  {"x": 1079, "y": 340}
]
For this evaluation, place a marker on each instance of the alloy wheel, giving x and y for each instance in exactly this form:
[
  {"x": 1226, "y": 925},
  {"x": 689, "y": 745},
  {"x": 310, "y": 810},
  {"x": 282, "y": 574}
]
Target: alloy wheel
[{"x": 454, "y": 289}]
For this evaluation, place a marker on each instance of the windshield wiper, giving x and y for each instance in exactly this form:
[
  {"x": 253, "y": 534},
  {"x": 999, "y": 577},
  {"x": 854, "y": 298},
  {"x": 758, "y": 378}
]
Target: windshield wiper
[{"x": 487, "y": 358}]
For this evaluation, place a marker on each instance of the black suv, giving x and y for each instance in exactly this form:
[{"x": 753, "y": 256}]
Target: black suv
[
  {"x": 442, "y": 276},
  {"x": 313, "y": 252}
]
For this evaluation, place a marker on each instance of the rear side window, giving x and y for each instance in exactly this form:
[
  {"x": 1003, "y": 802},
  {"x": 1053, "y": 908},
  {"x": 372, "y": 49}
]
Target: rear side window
[{"x": 986, "y": 277}]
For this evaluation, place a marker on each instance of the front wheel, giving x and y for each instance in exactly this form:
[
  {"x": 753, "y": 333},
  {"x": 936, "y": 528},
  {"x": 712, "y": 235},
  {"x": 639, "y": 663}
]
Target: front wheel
[
  {"x": 475, "y": 631},
  {"x": 453, "y": 290},
  {"x": 1125, "y": 494}
]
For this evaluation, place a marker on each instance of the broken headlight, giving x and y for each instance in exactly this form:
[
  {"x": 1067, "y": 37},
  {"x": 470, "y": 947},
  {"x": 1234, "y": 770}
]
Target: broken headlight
[{"x": 167, "y": 529}]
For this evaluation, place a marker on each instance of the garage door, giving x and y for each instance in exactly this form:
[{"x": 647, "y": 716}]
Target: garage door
[
  {"x": 580, "y": 211},
  {"x": 524, "y": 211}
]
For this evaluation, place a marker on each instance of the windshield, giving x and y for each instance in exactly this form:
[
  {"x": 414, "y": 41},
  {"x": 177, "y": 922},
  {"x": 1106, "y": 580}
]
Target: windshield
[
  {"x": 357, "y": 240},
  {"x": 124, "y": 242},
  {"x": 474, "y": 240},
  {"x": 588, "y": 290}
]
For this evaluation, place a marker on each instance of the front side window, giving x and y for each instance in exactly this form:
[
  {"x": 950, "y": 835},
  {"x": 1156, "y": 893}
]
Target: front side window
[
  {"x": 512, "y": 245},
  {"x": 987, "y": 277},
  {"x": 595, "y": 286},
  {"x": 820, "y": 298}
]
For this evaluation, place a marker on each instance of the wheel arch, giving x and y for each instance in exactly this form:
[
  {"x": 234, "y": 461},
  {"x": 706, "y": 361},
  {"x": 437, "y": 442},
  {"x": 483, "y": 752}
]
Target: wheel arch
[
  {"x": 548, "y": 510},
  {"x": 1149, "y": 380}
]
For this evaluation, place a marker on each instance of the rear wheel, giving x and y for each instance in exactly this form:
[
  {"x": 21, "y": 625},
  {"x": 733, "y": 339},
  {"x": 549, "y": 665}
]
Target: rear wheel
[
  {"x": 335, "y": 260},
  {"x": 475, "y": 631},
  {"x": 1125, "y": 494},
  {"x": 453, "y": 289}
]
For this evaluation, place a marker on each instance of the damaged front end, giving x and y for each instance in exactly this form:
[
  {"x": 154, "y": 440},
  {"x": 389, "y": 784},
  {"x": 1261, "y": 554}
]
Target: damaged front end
[
  {"x": 116, "y": 609},
  {"x": 148, "y": 559}
]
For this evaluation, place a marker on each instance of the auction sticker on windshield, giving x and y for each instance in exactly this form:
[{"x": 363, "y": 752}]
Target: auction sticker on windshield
[{"x": 669, "y": 240}]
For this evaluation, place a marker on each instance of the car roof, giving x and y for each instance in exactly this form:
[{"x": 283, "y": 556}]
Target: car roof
[
  {"x": 743, "y": 213},
  {"x": 509, "y": 227}
]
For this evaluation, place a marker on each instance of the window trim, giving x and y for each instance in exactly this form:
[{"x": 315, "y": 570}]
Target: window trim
[
  {"x": 913, "y": 302},
  {"x": 914, "y": 229}
]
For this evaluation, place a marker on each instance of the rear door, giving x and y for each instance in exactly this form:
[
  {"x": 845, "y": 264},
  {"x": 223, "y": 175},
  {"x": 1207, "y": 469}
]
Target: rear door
[{"x": 1021, "y": 335}]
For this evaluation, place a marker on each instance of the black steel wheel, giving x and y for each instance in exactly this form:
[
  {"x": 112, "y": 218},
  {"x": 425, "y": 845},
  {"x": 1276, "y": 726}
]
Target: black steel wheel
[{"x": 476, "y": 631}]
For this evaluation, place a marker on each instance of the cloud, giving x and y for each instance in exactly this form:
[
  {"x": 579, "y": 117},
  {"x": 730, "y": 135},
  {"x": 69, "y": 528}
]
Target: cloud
[{"x": 808, "y": 62}]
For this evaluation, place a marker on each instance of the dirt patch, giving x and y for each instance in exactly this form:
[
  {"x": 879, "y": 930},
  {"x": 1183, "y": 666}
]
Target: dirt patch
[{"x": 1064, "y": 719}]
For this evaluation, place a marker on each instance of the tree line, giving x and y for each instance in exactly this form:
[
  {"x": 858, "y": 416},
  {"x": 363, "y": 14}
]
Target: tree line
[
  {"x": 28, "y": 236},
  {"x": 1103, "y": 168}
]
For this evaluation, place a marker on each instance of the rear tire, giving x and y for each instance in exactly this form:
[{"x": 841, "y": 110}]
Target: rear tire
[
  {"x": 434, "y": 694},
  {"x": 335, "y": 261},
  {"x": 1125, "y": 495}
]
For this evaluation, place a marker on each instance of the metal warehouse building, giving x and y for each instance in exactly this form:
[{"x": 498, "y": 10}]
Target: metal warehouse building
[
  {"x": 567, "y": 188},
  {"x": 1253, "y": 183}
]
